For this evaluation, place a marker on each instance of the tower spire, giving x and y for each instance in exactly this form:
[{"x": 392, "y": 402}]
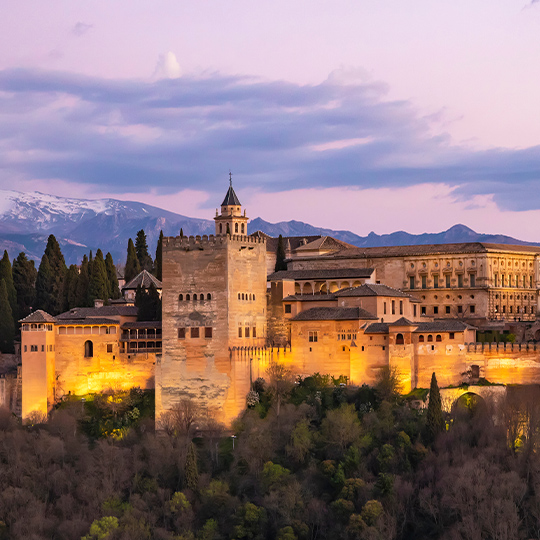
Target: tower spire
[{"x": 230, "y": 178}]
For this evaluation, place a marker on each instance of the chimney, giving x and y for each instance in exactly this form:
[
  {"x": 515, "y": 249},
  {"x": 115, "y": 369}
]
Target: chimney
[{"x": 98, "y": 303}]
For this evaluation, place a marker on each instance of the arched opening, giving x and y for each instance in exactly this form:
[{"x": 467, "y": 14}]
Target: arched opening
[
  {"x": 357, "y": 284},
  {"x": 209, "y": 296},
  {"x": 420, "y": 338},
  {"x": 399, "y": 339},
  {"x": 188, "y": 297},
  {"x": 308, "y": 289},
  {"x": 180, "y": 297},
  {"x": 236, "y": 227},
  {"x": 242, "y": 228},
  {"x": 438, "y": 337},
  {"x": 194, "y": 297},
  {"x": 430, "y": 338},
  {"x": 468, "y": 404},
  {"x": 333, "y": 287},
  {"x": 88, "y": 349}
]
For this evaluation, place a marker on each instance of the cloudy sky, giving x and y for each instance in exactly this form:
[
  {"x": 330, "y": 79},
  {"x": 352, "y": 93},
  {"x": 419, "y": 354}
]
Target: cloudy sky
[{"x": 362, "y": 115}]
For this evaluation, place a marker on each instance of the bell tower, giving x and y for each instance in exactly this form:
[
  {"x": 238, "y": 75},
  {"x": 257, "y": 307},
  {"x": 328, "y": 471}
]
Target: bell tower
[{"x": 231, "y": 221}]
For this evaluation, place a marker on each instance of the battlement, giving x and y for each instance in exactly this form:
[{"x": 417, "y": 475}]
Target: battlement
[{"x": 208, "y": 241}]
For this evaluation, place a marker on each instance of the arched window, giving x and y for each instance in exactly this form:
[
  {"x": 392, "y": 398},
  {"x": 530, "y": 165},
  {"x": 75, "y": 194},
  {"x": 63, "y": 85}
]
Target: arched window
[
  {"x": 420, "y": 338},
  {"x": 430, "y": 337},
  {"x": 209, "y": 296},
  {"x": 399, "y": 339},
  {"x": 438, "y": 338},
  {"x": 194, "y": 297},
  {"x": 236, "y": 227},
  {"x": 243, "y": 296},
  {"x": 238, "y": 296},
  {"x": 253, "y": 297},
  {"x": 180, "y": 297},
  {"x": 88, "y": 349},
  {"x": 220, "y": 228},
  {"x": 201, "y": 297},
  {"x": 242, "y": 228},
  {"x": 187, "y": 297},
  {"x": 250, "y": 296}
]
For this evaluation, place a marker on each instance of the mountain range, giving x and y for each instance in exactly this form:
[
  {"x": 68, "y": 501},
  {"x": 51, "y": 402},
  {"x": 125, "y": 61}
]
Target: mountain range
[{"x": 81, "y": 225}]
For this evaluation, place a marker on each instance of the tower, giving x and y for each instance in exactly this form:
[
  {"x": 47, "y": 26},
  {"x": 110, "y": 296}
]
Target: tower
[
  {"x": 214, "y": 302},
  {"x": 231, "y": 220}
]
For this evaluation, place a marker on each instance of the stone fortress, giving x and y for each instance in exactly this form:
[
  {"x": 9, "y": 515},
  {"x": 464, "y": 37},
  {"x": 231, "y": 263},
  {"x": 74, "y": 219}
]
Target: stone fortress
[{"x": 337, "y": 309}]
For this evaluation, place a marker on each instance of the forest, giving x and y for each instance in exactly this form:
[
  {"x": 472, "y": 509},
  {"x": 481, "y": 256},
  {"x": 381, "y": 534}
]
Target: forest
[{"x": 309, "y": 458}]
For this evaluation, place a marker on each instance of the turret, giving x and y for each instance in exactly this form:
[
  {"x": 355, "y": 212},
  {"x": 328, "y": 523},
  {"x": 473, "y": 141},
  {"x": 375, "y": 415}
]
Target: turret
[{"x": 231, "y": 221}]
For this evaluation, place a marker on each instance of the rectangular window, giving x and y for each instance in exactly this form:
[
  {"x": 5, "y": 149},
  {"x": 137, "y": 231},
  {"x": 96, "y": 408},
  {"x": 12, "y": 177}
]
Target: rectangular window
[
  {"x": 436, "y": 281},
  {"x": 502, "y": 280},
  {"x": 460, "y": 309},
  {"x": 447, "y": 309},
  {"x": 447, "y": 279},
  {"x": 530, "y": 281},
  {"x": 313, "y": 337},
  {"x": 414, "y": 310},
  {"x": 504, "y": 309},
  {"x": 472, "y": 309},
  {"x": 424, "y": 282},
  {"x": 384, "y": 308},
  {"x": 496, "y": 280},
  {"x": 401, "y": 307},
  {"x": 43, "y": 348},
  {"x": 451, "y": 335},
  {"x": 194, "y": 332},
  {"x": 181, "y": 333},
  {"x": 254, "y": 331},
  {"x": 435, "y": 310},
  {"x": 25, "y": 349},
  {"x": 393, "y": 307},
  {"x": 109, "y": 347},
  {"x": 511, "y": 309},
  {"x": 208, "y": 332},
  {"x": 460, "y": 280},
  {"x": 411, "y": 282},
  {"x": 472, "y": 280},
  {"x": 288, "y": 308},
  {"x": 240, "y": 331},
  {"x": 246, "y": 331},
  {"x": 423, "y": 310}
]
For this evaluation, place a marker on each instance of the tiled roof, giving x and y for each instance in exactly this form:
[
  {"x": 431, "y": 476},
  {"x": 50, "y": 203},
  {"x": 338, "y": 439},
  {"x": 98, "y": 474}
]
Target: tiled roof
[
  {"x": 230, "y": 199},
  {"x": 377, "y": 328},
  {"x": 450, "y": 325},
  {"x": 104, "y": 311},
  {"x": 38, "y": 316},
  {"x": 86, "y": 322},
  {"x": 326, "y": 273},
  {"x": 324, "y": 242},
  {"x": 143, "y": 280},
  {"x": 334, "y": 314},
  {"x": 371, "y": 289},
  {"x": 309, "y": 297},
  {"x": 403, "y": 322},
  {"x": 288, "y": 241},
  {"x": 142, "y": 324}
]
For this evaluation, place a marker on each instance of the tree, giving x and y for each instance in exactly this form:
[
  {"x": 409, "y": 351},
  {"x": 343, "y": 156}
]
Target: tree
[
  {"x": 6, "y": 273},
  {"x": 191, "y": 470},
  {"x": 7, "y": 327},
  {"x": 83, "y": 283},
  {"x": 51, "y": 278},
  {"x": 133, "y": 267},
  {"x": 44, "y": 296},
  {"x": 141, "y": 248},
  {"x": 24, "y": 280},
  {"x": 158, "y": 263},
  {"x": 72, "y": 279},
  {"x": 281, "y": 382},
  {"x": 98, "y": 287},
  {"x": 435, "y": 420},
  {"x": 280, "y": 256},
  {"x": 148, "y": 304},
  {"x": 114, "y": 289}
]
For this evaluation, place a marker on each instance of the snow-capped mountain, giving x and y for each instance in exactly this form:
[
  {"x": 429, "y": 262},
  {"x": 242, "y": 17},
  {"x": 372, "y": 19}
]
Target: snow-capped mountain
[{"x": 81, "y": 225}]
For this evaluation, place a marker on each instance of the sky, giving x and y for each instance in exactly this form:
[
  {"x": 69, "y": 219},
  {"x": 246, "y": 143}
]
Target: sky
[{"x": 366, "y": 115}]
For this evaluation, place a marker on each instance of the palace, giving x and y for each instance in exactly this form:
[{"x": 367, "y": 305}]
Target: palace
[{"x": 337, "y": 309}]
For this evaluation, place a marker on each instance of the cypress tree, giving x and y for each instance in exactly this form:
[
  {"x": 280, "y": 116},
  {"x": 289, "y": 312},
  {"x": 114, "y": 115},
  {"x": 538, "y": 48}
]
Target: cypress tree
[
  {"x": 72, "y": 284},
  {"x": 24, "y": 280},
  {"x": 82, "y": 284},
  {"x": 181, "y": 232},
  {"x": 280, "y": 256},
  {"x": 158, "y": 263},
  {"x": 132, "y": 263},
  {"x": 6, "y": 273},
  {"x": 191, "y": 470},
  {"x": 148, "y": 304},
  {"x": 112, "y": 277},
  {"x": 50, "y": 295},
  {"x": 98, "y": 286},
  {"x": 141, "y": 247},
  {"x": 435, "y": 420},
  {"x": 45, "y": 299},
  {"x": 7, "y": 326}
]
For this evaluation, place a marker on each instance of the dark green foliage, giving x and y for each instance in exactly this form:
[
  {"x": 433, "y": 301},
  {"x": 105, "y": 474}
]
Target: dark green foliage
[
  {"x": 6, "y": 273},
  {"x": 70, "y": 288},
  {"x": 191, "y": 470},
  {"x": 435, "y": 420},
  {"x": 141, "y": 248},
  {"x": 24, "y": 280},
  {"x": 114, "y": 289},
  {"x": 7, "y": 326},
  {"x": 83, "y": 283},
  {"x": 148, "y": 304},
  {"x": 181, "y": 232},
  {"x": 50, "y": 294},
  {"x": 98, "y": 286},
  {"x": 45, "y": 298},
  {"x": 280, "y": 256},
  {"x": 133, "y": 268},
  {"x": 158, "y": 263}
]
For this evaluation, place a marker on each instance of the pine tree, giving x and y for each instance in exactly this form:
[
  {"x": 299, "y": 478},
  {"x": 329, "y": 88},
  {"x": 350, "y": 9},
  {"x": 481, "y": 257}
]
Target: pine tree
[
  {"x": 181, "y": 232},
  {"x": 98, "y": 287},
  {"x": 6, "y": 273},
  {"x": 112, "y": 277},
  {"x": 158, "y": 263},
  {"x": 83, "y": 283},
  {"x": 50, "y": 279},
  {"x": 24, "y": 280},
  {"x": 7, "y": 326},
  {"x": 191, "y": 470},
  {"x": 141, "y": 247},
  {"x": 45, "y": 299},
  {"x": 435, "y": 420},
  {"x": 148, "y": 304},
  {"x": 280, "y": 256},
  {"x": 71, "y": 286},
  {"x": 133, "y": 267}
]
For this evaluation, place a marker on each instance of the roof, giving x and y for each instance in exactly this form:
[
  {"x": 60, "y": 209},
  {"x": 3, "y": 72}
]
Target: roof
[
  {"x": 230, "y": 199},
  {"x": 38, "y": 316},
  {"x": 142, "y": 324},
  {"x": 334, "y": 314},
  {"x": 292, "y": 242},
  {"x": 377, "y": 328},
  {"x": 372, "y": 289},
  {"x": 143, "y": 280},
  {"x": 309, "y": 297},
  {"x": 450, "y": 325},
  {"x": 325, "y": 273},
  {"x": 324, "y": 242},
  {"x": 403, "y": 322},
  {"x": 103, "y": 311},
  {"x": 87, "y": 322}
]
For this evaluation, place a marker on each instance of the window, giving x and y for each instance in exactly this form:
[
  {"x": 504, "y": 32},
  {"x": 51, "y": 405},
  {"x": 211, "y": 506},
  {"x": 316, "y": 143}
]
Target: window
[
  {"x": 435, "y": 310},
  {"x": 424, "y": 282},
  {"x": 447, "y": 309},
  {"x": 472, "y": 308},
  {"x": 530, "y": 281},
  {"x": 414, "y": 310},
  {"x": 447, "y": 279},
  {"x": 194, "y": 332},
  {"x": 242, "y": 228},
  {"x": 188, "y": 298},
  {"x": 288, "y": 308},
  {"x": 438, "y": 338},
  {"x": 243, "y": 296},
  {"x": 43, "y": 348},
  {"x": 246, "y": 333},
  {"x": 236, "y": 228},
  {"x": 25, "y": 348},
  {"x": 254, "y": 331},
  {"x": 384, "y": 308},
  {"x": 401, "y": 307},
  {"x": 88, "y": 349},
  {"x": 399, "y": 339},
  {"x": 33, "y": 348},
  {"x": 430, "y": 338},
  {"x": 460, "y": 309},
  {"x": 207, "y": 331},
  {"x": 180, "y": 297},
  {"x": 472, "y": 280},
  {"x": 496, "y": 280},
  {"x": 422, "y": 310},
  {"x": 109, "y": 347},
  {"x": 420, "y": 338},
  {"x": 511, "y": 309},
  {"x": 181, "y": 333},
  {"x": 504, "y": 309},
  {"x": 460, "y": 280},
  {"x": 393, "y": 307},
  {"x": 209, "y": 296},
  {"x": 239, "y": 297},
  {"x": 411, "y": 282},
  {"x": 475, "y": 371},
  {"x": 194, "y": 297},
  {"x": 451, "y": 335},
  {"x": 239, "y": 330},
  {"x": 313, "y": 337},
  {"x": 201, "y": 298},
  {"x": 502, "y": 280},
  {"x": 220, "y": 228},
  {"x": 362, "y": 348}
]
